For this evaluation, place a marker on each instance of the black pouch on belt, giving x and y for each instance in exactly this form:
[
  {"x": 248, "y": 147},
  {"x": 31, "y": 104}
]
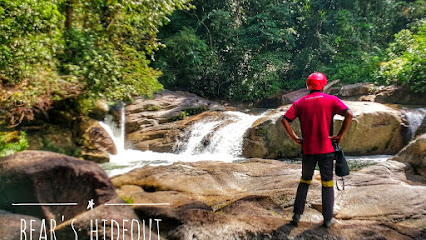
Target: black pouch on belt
[{"x": 341, "y": 168}]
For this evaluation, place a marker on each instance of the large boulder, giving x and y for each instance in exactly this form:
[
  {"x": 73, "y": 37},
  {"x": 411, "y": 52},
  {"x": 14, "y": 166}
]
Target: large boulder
[
  {"x": 96, "y": 142},
  {"x": 284, "y": 98},
  {"x": 358, "y": 89},
  {"x": 253, "y": 200},
  {"x": 158, "y": 124},
  {"x": 268, "y": 139},
  {"x": 166, "y": 106},
  {"x": 375, "y": 129},
  {"x": 11, "y": 225},
  {"x": 46, "y": 177},
  {"x": 107, "y": 221},
  {"x": 414, "y": 154},
  {"x": 400, "y": 95}
]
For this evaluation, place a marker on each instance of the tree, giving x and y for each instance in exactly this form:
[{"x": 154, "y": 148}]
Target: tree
[
  {"x": 406, "y": 60},
  {"x": 78, "y": 50},
  {"x": 257, "y": 48}
]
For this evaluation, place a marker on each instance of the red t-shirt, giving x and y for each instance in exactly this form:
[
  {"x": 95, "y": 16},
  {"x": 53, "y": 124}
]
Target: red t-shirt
[{"x": 315, "y": 112}]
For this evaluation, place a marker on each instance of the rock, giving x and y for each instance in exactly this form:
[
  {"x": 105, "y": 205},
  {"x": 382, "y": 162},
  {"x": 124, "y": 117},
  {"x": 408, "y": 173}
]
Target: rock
[
  {"x": 118, "y": 222},
  {"x": 364, "y": 201},
  {"x": 163, "y": 137},
  {"x": 375, "y": 129},
  {"x": 99, "y": 110},
  {"x": 268, "y": 139},
  {"x": 97, "y": 144},
  {"x": 46, "y": 177},
  {"x": 415, "y": 154},
  {"x": 293, "y": 96},
  {"x": 400, "y": 95},
  {"x": 253, "y": 200},
  {"x": 156, "y": 124},
  {"x": 10, "y": 226},
  {"x": 357, "y": 89},
  {"x": 290, "y": 97},
  {"x": 51, "y": 138},
  {"x": 422, "y": 128}
]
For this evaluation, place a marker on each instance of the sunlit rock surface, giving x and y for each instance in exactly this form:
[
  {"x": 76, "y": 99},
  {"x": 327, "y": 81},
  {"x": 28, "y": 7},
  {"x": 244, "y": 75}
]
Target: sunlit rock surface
[
  {"x": 375, "y": 129},
  {"x": 253, "y": 200}
]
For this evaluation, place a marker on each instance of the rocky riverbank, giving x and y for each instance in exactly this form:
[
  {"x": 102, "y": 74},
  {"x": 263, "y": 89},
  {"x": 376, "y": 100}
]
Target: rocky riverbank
[
  {"x": 207, "y": 200},
  {"x": 161, "y": 123}
]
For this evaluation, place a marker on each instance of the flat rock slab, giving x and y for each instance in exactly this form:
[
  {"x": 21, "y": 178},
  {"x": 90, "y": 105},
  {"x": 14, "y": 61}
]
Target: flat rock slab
[{"x": 253, "y": 200}]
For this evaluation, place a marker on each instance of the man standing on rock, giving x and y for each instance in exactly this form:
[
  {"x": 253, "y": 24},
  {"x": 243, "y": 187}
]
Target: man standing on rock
[{"x": 315, "y": 112}]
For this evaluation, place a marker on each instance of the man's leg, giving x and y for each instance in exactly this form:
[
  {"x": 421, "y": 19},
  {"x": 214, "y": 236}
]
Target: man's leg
[
  {"x": 326, "y": 169},
  {"x": 308, "y": 167}
]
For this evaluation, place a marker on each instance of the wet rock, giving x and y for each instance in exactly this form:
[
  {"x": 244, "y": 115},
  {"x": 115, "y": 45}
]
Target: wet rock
[
  {"x": 156, "y": 124},
  {"x": 96, "y": 143},
  {"x": 414, "y": 154},
  {"x": 46, "y": 177},
  {"x": 268, "y": 139},
  {"x": 163, "y": 137},
  {"x": 375, "y": 129},
  {"x": 253, "y": 200},
  {"x": 293, "y": 96}
]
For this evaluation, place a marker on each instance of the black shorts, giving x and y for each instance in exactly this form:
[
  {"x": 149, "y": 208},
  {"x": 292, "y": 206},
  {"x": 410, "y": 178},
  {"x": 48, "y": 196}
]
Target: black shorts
[{"x": 325, "y": 163}]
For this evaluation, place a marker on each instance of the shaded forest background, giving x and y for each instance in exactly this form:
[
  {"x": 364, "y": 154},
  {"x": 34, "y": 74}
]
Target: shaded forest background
[
  {"x": 250, "y": 49},
  {"x": 69, "y": 53}
]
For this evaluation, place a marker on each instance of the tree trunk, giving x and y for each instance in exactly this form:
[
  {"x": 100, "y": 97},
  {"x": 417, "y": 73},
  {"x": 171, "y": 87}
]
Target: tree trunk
[{"x": 68, "y": 14}]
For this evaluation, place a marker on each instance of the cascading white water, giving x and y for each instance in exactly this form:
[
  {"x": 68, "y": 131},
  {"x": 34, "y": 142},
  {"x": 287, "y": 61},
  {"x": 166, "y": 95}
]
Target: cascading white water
[
  {"x": 223, "y": 144},
  {"x": 199, "y": 131},
  {"x": 215, "y": 140},
  {"x": 117, "y": 133},
  {"x": 229, "y": 139},
  {"x": 414, "y": 118}
]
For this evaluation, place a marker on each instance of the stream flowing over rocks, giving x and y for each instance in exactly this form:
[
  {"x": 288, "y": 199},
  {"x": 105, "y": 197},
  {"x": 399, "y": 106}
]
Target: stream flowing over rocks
[
  {"x": 163, "y": 123},
  {"x": 221, "y": 181}
]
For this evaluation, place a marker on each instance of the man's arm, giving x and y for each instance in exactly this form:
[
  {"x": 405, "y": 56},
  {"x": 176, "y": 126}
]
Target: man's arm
[
  {"x": 290, "y": 131},
  {"x": 345, "y": 126}
]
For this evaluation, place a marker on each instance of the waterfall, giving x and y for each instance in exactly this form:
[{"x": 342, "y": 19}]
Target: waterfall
[
  {"x": 116, "y": 131},
  {"x": 226, "y": 142},
  {"x": 413, "y": 118},
  {"x": 217, "y": 140}
]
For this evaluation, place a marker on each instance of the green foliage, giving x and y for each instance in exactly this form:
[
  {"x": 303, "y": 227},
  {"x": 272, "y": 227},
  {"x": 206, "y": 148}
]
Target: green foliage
[
  {"x": 249, "y": 50},
  {"x": 128, "y": 200},
  {"x": 75, "y": 50},
  {"x": 12, "y": 142},
  {"x": 406, "y": 61},
  {"x": 52, "y": 147}
]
